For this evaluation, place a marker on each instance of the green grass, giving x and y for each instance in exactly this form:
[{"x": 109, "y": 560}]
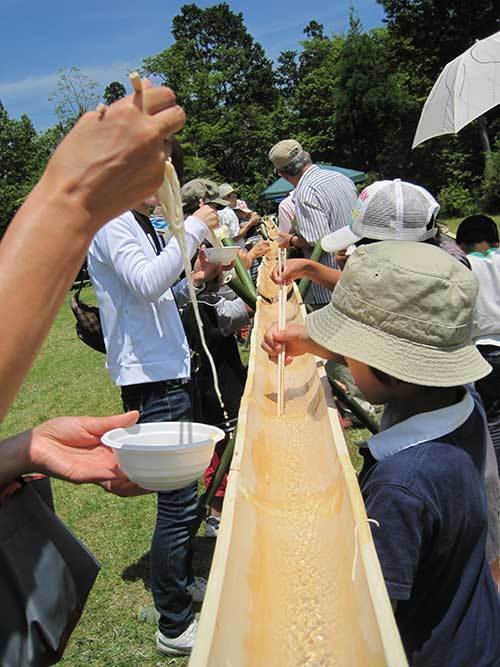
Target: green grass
[{"x": 69, "y": 378}]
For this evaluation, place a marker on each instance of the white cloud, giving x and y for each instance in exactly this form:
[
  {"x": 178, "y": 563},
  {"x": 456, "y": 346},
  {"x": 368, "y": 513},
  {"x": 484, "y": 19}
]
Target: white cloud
[{"x": 32, "y": 87}]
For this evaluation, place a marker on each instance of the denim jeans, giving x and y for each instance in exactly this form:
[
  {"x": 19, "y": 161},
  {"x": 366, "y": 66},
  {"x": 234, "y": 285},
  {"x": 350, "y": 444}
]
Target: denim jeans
[
  {"x": 489, "y": 390},
  {"x": 171, "y": 548}
]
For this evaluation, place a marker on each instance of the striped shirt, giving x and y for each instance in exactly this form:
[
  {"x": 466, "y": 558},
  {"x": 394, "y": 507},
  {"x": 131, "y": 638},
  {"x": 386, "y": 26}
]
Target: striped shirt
[{"x": 324, "y": 201}]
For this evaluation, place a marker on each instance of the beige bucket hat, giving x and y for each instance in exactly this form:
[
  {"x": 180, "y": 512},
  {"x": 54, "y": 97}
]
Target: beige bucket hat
[{"x": 407, "y": 310}]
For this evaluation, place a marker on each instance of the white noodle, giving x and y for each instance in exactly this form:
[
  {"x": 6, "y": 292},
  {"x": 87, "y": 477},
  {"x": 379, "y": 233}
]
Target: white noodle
[{"x": 169, "y": 195}]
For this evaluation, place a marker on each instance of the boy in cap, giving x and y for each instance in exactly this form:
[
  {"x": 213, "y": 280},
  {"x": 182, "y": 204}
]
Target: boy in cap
[
  {"x": 478, "y": 236},
  {"x": 384, "y": 211},
  {"x": 401, "y": 318},
  {"x": 323, "y": 203}
]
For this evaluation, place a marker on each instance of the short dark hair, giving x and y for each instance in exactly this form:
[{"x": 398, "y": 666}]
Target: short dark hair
[{"x": 477, "y": 228}]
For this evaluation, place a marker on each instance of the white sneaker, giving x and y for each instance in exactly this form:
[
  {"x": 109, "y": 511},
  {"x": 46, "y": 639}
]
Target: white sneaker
[
  {"x": 212, "y": 524},
  {"x": 181, "y": 645},
  {"x": 198, "y": 589}
]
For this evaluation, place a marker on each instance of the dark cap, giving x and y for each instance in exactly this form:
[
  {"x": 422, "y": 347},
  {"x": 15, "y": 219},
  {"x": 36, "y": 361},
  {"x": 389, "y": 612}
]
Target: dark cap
[{"x": 477, "y": 228}]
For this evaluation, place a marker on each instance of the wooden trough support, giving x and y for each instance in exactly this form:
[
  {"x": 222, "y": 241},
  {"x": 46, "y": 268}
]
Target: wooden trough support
[{"x": 295, "y": 578}]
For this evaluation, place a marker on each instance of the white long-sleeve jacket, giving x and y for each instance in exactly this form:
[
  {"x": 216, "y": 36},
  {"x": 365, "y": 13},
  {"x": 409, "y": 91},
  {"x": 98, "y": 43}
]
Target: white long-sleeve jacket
[{"x": 144, "y": 337}]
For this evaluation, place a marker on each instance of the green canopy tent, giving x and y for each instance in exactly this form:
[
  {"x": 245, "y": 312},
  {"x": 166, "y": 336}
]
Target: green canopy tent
[{"x": 280, "y": 188}]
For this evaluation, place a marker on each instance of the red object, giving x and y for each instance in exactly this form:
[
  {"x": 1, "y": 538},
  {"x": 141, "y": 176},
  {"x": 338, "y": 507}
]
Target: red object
[{"x": 210, "y": 471}]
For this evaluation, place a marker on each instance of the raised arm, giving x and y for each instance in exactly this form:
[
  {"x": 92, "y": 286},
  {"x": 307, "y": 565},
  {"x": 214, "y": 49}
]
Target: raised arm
[{"x": 92, "y": 177}]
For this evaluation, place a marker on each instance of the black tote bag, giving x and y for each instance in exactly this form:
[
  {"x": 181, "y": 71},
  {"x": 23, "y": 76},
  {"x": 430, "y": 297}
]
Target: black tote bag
[{"x": 46, "y": 574}]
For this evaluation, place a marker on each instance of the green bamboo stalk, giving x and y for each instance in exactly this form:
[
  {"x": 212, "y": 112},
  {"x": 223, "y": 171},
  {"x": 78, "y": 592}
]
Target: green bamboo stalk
[
  {"x": 239, "y": 289},
  {"x": 241, "y": 272},
  {"x": 305, "y": 283}
]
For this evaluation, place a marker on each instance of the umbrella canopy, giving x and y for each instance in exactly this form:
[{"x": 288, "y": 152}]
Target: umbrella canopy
[
  {"x": 467, "y": 87},
  {"x": 280, "y": 188}
]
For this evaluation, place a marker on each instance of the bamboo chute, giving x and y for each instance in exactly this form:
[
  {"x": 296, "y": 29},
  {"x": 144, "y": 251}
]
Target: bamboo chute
[{"x": 295, "y": 578}]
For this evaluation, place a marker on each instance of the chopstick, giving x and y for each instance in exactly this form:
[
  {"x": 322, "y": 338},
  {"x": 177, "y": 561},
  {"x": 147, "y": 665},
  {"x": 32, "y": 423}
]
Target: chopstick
[
  {"x": 135, "y": 80},
  {"x": 281, "y": 327}
]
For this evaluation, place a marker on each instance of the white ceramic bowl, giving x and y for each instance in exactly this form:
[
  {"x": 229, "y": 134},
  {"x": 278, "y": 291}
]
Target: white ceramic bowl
[
  {"x": 163, "y": 456},
  {"x": 224, "y": 255}
]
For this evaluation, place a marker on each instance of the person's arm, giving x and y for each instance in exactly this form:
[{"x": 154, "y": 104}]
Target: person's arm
[
  {"x": 104, "y": 166},
  {"x": 69, "y": 448},
  {"x": 247, "y": 226},
  {"x": 120, "y": 246},
  {"x": 306, "y": 268},
  {"x": 297, "y": 342}
]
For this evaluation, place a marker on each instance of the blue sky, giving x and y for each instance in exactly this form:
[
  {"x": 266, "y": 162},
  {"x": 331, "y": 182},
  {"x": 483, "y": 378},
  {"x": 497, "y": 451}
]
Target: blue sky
[{"x": 106, "y": 39}]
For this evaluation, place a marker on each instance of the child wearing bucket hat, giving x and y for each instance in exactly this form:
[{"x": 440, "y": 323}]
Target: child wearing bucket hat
[{"x": 401, "y": 318}]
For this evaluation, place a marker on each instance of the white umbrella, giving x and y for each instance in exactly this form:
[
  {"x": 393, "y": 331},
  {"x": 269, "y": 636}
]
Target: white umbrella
[{"x": 467, "y": 87}]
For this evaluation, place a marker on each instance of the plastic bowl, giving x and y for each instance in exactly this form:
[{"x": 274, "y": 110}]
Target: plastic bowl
[
  {"x": 224, "y": 255},
  {"x": 162, "y": 456}
]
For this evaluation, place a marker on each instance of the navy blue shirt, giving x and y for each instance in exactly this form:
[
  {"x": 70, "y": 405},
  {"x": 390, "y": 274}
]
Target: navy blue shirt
[{"x": 430, "y": 502}]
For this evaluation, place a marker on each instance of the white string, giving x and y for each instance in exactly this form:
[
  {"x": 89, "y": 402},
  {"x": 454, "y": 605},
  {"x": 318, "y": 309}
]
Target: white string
[
  {"x": 171, "y": 203},
  {"x": 356, "y": 546}
]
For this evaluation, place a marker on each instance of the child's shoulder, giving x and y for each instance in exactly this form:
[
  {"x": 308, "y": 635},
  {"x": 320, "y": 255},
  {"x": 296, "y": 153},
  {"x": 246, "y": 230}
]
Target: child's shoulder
[{"x": 428, "y": 470}]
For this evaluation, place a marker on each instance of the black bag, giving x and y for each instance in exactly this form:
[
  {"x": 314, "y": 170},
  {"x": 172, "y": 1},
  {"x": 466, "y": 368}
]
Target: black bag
[
  {"x": 88, "y": 319},
  {"x": 46, "y": 574}
]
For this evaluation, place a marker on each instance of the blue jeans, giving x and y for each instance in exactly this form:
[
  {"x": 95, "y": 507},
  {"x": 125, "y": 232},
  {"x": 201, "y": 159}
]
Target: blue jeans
[{"x": 171, "y": 548}]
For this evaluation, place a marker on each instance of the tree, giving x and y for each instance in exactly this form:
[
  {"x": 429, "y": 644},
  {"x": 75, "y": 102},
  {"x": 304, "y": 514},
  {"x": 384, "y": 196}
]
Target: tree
[
  {"x": 114, "y": 91},
  {"x": 214, "y": 62},
  {"x": 314, "y": 30},
  {"x": 287, "y": 74},
  {"x": 75, "y": 94},
  {"x": 22, "y": 160},
  {"x": 227, "y": 86},
  {"x": 427, "y": 34}
]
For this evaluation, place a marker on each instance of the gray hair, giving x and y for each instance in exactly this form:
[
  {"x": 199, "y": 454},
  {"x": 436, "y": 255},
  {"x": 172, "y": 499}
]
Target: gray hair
[{"x": 297, "y": 164}]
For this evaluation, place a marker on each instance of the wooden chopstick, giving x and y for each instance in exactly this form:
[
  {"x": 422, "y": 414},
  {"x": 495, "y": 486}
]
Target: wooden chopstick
[{"x": 281, "y": 327}]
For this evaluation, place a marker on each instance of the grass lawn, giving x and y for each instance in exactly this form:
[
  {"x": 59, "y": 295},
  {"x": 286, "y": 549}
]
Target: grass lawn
[{"x": 69, "y": 378}]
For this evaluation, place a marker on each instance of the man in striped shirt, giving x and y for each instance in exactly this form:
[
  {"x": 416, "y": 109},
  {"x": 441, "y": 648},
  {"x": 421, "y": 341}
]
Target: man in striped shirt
[{"x": 323, "y": 200}]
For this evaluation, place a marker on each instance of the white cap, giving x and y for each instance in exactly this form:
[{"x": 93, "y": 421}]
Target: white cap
[{"x": 388, "y": 211}]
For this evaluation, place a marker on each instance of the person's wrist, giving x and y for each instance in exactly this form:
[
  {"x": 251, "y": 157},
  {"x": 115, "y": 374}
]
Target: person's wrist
[
  {"x": 16, "y": 457},
  {"x": 69, "y": 203}
]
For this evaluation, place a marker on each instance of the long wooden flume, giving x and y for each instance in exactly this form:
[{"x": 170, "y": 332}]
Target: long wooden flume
[{"x": 295, "y": 579}]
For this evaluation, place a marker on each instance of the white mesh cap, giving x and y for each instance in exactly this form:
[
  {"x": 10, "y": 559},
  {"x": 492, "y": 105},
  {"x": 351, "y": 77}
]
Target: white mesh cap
[
  {"x": 388, "y": 211},
  {"x": 395, "y": 210}
]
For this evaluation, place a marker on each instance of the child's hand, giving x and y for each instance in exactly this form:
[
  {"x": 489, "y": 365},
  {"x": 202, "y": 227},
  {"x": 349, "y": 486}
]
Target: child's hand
[
  {"x": 294, "y": 269},
  {"x": 294, "y": 337},
  {"x": 203, "y": 270}
]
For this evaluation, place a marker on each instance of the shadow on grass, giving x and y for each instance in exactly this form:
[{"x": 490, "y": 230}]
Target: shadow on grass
[{"x": 202, "y": 560}]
